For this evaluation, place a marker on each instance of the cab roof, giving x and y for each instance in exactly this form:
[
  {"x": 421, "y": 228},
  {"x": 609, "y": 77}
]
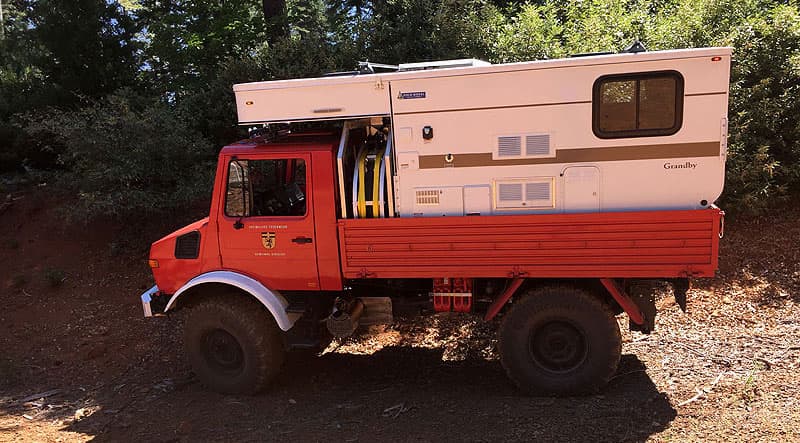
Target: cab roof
[{"x": 313, "y": 141}]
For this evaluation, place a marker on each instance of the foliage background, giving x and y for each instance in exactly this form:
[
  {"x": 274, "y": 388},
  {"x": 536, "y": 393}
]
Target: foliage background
[{"x": 124, "y": 103}]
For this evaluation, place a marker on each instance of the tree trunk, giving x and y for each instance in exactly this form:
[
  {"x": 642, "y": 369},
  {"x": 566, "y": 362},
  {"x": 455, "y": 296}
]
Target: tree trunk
[{"x": 275, "y": 16}]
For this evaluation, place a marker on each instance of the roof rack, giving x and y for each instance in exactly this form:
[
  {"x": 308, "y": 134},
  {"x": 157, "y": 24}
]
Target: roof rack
[
  {"x": 634, "y": 48},
  {"x": 589, "y": 54},
  {"x": 375, "y": 68},
  {"x": 442, "y": 64}
]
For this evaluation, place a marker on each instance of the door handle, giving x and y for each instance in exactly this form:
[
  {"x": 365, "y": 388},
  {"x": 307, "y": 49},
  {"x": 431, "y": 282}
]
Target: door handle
[{"x": 302, "y": 240}]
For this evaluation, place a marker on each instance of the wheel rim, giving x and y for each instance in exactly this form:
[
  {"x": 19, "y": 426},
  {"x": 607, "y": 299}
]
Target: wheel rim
[
  {"x": 223, "y": 352},
  {"x": 558, "y": 346}
]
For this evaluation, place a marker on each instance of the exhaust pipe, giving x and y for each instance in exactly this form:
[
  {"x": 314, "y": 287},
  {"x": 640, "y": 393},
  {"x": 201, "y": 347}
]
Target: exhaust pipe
[{"x": 344, "y": 319}]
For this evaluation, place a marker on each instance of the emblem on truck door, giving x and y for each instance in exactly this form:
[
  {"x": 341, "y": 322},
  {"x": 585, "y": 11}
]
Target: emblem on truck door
[{"x": 268, "y": 239}]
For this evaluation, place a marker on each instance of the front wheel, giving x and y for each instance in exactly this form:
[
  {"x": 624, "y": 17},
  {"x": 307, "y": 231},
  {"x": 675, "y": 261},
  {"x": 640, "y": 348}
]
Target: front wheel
[
  {"x": 560, "y": 341},
  {"x": 233, "y": 344}
]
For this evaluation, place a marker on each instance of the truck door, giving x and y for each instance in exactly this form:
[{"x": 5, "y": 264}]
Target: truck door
[{"x": 266, "y": 227}]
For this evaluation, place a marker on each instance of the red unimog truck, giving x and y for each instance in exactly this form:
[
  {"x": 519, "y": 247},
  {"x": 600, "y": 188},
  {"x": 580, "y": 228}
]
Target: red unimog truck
[{"x": 550, "y": 193}]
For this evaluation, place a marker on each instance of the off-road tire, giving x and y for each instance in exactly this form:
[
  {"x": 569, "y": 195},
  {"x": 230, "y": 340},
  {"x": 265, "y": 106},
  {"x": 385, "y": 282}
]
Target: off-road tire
[
  {"x": 532, "y": 332},
  {"x": 260, "y": 353}
]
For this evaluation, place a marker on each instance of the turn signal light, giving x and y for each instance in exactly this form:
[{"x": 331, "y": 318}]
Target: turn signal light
[{"x": 153, "y": 263}]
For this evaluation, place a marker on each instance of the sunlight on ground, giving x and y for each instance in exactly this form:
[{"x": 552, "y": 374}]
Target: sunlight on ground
[{"x": 459, "y": 336}]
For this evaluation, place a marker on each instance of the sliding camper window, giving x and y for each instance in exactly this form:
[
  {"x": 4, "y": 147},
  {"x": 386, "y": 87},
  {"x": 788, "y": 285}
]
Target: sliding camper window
[{"x": 637, "y": 105}]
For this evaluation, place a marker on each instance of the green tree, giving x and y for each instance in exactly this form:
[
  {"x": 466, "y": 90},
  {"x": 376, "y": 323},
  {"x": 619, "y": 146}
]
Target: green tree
[
  {"x": 419, "y": 30},
  {"x": 534, "y": 33},
  {"x": 189, "y": 40},
  {"x": 59, "y": 53},
  {"x": 20, "y": 79},
  {"x": 90, "y": 46}
]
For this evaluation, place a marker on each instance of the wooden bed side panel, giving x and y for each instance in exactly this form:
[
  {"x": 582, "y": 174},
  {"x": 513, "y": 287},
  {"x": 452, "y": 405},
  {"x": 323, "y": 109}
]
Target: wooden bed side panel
[{"x": 610, "y": 245}]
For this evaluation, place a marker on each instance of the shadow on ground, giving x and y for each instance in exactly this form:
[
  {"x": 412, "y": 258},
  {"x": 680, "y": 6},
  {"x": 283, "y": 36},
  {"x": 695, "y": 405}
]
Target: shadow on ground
[{"x": 396, "y": 394}]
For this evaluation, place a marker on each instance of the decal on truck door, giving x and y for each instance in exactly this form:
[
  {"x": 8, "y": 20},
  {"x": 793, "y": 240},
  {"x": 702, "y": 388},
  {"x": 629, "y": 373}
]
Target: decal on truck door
[{"x": 268, "y": 239}]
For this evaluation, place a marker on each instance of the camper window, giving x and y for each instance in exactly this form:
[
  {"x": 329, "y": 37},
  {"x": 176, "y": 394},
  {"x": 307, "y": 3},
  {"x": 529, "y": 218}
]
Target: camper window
[{"x": 637, "y": 105}]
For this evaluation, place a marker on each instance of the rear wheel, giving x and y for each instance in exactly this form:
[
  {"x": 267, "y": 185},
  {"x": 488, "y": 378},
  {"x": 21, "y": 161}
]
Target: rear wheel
[
  {"x": 560, "y": 341},
  {"x": 233, "y": 344}
]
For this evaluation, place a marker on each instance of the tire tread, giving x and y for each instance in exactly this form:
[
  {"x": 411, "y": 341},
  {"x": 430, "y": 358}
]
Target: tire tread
[
  {"x": 259, "y": 327},
  {"x": 549, "y": 297}
]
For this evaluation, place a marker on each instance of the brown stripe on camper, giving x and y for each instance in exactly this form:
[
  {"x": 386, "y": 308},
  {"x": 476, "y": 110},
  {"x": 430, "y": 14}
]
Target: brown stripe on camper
[
  {"x": 491, "y": 108},
  {"x": 582, "y": 155}
]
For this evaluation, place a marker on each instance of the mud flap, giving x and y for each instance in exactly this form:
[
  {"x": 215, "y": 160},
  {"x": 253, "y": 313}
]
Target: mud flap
[
  {"x": 641, "y": 293},
  {"x": 679, "y": 288}
]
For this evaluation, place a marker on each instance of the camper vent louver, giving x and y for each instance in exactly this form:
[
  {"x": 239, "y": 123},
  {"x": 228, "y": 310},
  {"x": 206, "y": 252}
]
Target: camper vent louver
[
  {"x": 538, "y": 144},
  {"x": 428, "y": 197},
  {"x": 509, "y": 146},
  {"x": 509, "y": 192},
  {"x": 525, "y": 194},
  {"x": 537, "y": 191}
]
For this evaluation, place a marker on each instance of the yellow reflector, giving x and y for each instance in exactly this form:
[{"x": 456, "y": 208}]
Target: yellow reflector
[{"x": 153, "y": 263}]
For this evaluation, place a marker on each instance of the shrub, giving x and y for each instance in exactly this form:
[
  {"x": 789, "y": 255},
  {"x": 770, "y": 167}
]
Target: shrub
[
  {"x": 764, "y": 160},
  {"x": 126, "y": 156}
]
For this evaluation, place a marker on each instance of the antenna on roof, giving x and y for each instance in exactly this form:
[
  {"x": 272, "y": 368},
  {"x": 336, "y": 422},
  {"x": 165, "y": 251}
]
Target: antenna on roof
[{"x": 635, "y": 48}]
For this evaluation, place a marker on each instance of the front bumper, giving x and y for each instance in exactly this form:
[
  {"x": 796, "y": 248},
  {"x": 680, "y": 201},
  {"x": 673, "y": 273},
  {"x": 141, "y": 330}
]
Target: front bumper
[{"x": 147, "y": 297}]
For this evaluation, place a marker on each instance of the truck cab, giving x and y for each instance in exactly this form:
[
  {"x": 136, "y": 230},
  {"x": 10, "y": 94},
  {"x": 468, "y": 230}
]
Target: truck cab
[{"x": 272, "y": 218}]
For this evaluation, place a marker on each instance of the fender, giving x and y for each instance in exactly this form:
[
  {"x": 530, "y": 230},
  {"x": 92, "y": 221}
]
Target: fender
[{"x": 272, "y": 300}]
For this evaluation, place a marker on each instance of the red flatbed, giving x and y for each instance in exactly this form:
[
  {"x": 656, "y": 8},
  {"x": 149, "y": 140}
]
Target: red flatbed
[{"x": 618, "y": 244}]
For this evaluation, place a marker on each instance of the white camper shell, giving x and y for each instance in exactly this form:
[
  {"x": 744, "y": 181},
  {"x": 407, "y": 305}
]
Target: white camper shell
[{"x": 620, "y": 132}]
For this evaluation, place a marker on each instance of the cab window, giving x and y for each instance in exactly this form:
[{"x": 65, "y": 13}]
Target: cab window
[{"x": 269, "y": 188}]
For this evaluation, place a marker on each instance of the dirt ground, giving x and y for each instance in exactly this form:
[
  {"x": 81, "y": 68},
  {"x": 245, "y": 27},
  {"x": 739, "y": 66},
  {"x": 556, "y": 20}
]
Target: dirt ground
[{"x": 78, "y": 362}]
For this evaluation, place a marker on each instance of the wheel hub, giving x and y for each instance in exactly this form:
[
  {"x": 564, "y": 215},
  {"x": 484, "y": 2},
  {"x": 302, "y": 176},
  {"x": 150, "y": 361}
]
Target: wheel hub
[
  {"x": 222, "y": 351},
  {"x": 558, "y": 346}
]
